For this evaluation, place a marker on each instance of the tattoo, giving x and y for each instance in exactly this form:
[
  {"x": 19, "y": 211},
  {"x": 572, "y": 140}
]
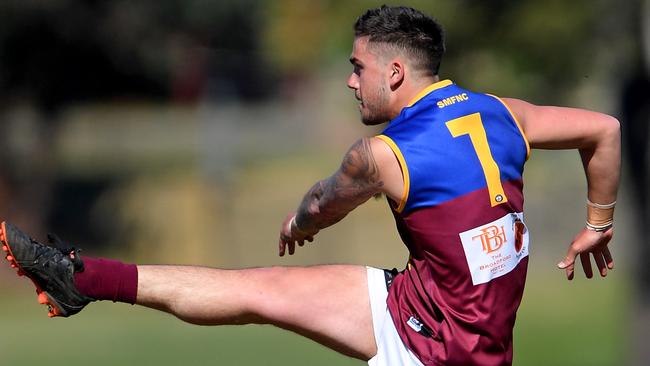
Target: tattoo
[{"x": 330, "y": 200}]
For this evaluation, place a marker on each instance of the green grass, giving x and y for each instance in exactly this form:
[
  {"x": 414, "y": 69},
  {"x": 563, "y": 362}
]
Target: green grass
[
  {"x": 577, "y": 323},
  {"x": 118, "y": 334}
]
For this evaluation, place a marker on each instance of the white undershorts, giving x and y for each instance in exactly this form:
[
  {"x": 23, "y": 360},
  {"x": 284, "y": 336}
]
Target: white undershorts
[{"x": 391, "y": 351}]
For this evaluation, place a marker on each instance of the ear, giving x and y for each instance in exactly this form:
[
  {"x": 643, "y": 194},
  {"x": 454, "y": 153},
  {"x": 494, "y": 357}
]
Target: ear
[{"x": 396, "y": 74}]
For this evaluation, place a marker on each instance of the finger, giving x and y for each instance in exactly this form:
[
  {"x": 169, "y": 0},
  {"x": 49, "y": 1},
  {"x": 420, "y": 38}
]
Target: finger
[
  {"x": 281, "y": 248},
  {"x": 570, "y": 271},
  {"x": 569, "y": 259},
  {"x": 586, "y": 264},
  {"x": 600, "y": 263},
  {"x": 310, "y": 238},
  {"x": 292, "y": 247},
  {"x": 608, "y": 258},
  {"x": 301, "y": 242},
  {"x": 567, "y": 264}
]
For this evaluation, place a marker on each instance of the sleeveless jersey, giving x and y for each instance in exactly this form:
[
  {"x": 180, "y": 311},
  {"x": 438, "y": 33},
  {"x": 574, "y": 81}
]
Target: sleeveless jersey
[{"x": 461, "y": 216}]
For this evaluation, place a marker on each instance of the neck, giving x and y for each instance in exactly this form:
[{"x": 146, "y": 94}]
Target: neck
[{"x": 410, "y": 90}]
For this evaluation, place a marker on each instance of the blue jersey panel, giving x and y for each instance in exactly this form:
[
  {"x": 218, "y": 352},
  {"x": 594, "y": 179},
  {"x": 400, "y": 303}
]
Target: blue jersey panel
[{"x": 441, "y": 167}]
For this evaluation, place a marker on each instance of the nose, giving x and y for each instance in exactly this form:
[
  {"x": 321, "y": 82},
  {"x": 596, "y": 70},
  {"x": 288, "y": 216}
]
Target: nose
[{"x": 353, "y": 81}]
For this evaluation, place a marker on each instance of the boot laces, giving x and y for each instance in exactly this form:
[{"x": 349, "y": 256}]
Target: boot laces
[{"x": 68, "y": 250}]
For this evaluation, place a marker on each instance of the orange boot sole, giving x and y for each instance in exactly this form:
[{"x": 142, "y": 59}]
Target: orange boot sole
[{"x": 43, "y": 297}]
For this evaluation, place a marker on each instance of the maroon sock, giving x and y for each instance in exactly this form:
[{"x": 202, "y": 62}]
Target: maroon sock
[{"x": 106, "y": 279}]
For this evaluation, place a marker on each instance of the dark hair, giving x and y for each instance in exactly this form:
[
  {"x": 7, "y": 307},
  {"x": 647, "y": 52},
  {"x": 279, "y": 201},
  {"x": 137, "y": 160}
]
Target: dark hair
[{"x": 406, "y": 29}]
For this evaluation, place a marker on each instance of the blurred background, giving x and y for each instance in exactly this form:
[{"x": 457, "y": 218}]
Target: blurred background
[{"x": 184, "y": 131}]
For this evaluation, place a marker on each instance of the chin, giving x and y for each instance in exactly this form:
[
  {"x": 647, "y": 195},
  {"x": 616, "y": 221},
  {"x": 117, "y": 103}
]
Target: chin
[
  {"x": 374, "y": 116},
  {"x": 373, "y": 121}
]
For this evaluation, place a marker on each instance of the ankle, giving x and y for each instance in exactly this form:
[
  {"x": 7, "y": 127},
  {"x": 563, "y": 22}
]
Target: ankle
[{"x": 107, "y": 279}]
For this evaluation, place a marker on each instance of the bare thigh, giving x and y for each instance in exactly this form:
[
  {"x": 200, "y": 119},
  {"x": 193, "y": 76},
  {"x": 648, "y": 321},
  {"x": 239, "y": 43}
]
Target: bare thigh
[{"x": 329, "y": 304}]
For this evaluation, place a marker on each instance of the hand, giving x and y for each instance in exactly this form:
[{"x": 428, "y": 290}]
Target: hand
[
  {"x": 589, "y": 241},
  {"x": 290, "y": 234}
]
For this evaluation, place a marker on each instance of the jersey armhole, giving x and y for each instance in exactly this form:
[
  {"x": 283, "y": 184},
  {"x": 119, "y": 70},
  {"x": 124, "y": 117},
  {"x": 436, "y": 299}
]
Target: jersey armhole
[
  {"x": 405, "y": 172},
  {"x": 521, "y": 130}
]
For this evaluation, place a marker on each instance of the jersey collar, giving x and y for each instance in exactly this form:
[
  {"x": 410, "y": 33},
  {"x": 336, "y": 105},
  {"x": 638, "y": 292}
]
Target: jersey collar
[{"x": 429, "y": 89}]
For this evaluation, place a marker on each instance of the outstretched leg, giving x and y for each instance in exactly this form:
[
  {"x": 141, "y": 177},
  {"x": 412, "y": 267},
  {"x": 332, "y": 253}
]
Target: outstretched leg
[{"x": 329, "y": 304}]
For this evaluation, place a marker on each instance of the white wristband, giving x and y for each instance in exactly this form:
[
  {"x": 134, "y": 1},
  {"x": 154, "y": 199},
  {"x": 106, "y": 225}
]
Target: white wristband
[
  {"x": 598, "y": 205},
  {"x": 599, "y": 228}
]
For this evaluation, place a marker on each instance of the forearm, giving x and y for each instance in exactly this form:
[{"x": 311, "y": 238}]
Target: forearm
[
  {"x": 602, "y": 164},
  {"x": 309, "y": 218},
  {"x": 325, "y": 204}
]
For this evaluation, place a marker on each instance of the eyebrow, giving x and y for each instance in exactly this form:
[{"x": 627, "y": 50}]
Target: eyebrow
[{"x": 354, "y": 61}]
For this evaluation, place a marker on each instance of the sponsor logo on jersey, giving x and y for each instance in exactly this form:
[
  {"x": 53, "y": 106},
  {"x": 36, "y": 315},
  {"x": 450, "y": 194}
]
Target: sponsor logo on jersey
[{"x": 496, "y": 248}]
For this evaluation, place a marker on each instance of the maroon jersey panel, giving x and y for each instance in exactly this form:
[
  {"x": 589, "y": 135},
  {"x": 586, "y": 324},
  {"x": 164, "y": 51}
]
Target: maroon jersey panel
[{"x": 455, "y": 303}]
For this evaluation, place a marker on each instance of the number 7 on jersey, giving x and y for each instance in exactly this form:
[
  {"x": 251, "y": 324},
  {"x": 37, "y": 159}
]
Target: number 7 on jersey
[{"x": 472, "y": 125}]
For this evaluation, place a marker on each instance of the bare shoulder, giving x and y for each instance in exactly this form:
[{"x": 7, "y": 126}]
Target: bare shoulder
[{"x": 519, "y": 108}]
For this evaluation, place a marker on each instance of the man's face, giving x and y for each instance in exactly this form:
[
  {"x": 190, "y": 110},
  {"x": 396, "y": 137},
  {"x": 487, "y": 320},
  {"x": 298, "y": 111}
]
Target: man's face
[{"x": 370, "y": 83}]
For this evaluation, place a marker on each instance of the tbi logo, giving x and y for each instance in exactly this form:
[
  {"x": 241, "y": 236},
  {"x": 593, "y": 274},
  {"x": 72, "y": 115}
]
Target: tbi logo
[{"x": 492, "y": 238}]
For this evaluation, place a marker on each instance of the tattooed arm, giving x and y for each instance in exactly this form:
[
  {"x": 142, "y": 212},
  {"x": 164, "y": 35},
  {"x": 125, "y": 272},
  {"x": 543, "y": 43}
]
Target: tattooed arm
[{"x": 331, "y": 199}]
